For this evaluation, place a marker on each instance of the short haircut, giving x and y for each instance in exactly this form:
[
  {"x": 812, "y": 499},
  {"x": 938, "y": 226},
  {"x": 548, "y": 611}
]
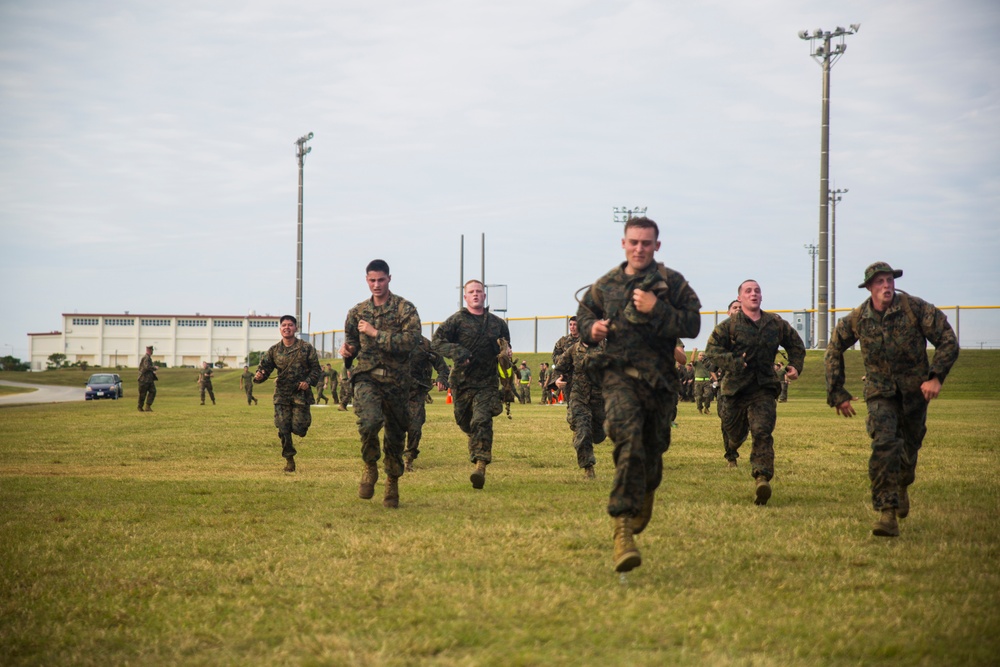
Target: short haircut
[
  {"x": 739, "y": 290},
  {"x": 377, "y": 265},
  {"x": 474, "y": 280},
  {"x": 643, "y": 223},
  {"x": 289, "y": 317},
  {"x": 734, "y": 301},
  {"x": 573, "y": 319}
]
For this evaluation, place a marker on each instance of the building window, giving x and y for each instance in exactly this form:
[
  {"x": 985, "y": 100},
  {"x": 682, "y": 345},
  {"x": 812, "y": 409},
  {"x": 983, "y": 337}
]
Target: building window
[
  {"x": 85, "y": 321},
  {"x": 154, "y": 323},
  {"x": 192, "y": 323},
  {"x": 264, "y": 324},
  {"x": 229, "y": 323},
  {"x": 119, "y": 321}
]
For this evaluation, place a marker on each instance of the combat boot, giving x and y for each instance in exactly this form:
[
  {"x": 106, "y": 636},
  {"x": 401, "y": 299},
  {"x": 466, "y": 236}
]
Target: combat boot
[
  {"x": 391, "y": 498},
  {"x": 140, "y": 408},
  {"x": 149, "y": 409},
  {"x": 640, "y": 522},
  {"x": 290, "y": 464},
  {"x": 478, "y": 476},
  {"x": 732, "y": 463},
  {"x": 408, "y": 464},
  {"x": 368, "y": 478},
  {"x": 588, "y": 472},
  {"x": 904, "y": 503},
  {"x": 886, "y": 525},
  {"x": 626, "y": 556},
  {"x": 763, "y": 493}
]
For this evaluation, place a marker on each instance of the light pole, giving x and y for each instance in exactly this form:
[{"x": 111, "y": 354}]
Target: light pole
[
  {"x": 301, "y": 150},
  {"x": 623, "y": 214},
  {"x": 834, "y": 198},
  {"x": 826, "y": 55},
  {"x": 811, "y": 248}
]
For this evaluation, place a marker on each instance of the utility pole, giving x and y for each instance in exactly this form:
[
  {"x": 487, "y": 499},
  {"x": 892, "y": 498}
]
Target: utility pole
[
  {"x": 301, "y": 150},
  {"x": 811, "y": 248},
  {"x": 834, "y": 198},
  {"x": 623, "y": 214},
  {"x": 826, "y": 55}
]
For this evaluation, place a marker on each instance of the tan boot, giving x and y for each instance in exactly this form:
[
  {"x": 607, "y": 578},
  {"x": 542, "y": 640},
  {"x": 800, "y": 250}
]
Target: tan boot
[
  {"x": 408, "y": 464},
  {"x": 763, "y": 492},
  {"x": 640, "y": 522},
  {"x": 290, "y": 464},
  {"x": 903, "y": 510},
  {"x": 366, "y": 489},
  {"x": 626, "y": 556},
  {"x": 886, "y": 525},
  {"x": 588, "y": 472},
  {"x": 391, "y": 498},
  {"x": 478, "y": 476}
]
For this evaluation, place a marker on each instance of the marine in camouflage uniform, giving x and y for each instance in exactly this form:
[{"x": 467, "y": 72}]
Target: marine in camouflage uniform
[
  {"x": 423, "y": 361},
  {"x": 543, "y": 378},
  {"x": 205, "y": 382},
  {"x": 346, "y": 390},
  {"x": 744, "y": 347},
  {"x": 893, "y": 328},
  {"x": 246, "y": 384},
  {"x": 380, "y": 334},
  {"x": 470, "y": 338},
  {"x": 331, "y": 382},
  {"x": 524, "y": 383},
  {"x": 298, "y": 371},
  {"x": 558, "y": 349},
  {"x": 586, "y": 404},
  {"x": 704, "y": 376},
  {"x": 320, "y": 396},
  {"x": 147, "y": 380},
  {"x": 641, "y": 308}
]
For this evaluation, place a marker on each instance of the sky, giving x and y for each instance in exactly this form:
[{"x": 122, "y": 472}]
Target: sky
[{"x": 147, "y": 158}]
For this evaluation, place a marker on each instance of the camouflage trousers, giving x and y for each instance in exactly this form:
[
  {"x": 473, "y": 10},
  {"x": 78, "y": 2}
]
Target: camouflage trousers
[
  {"x": 207, "y": 386},
  {"x": 319, "y": 394},
  {"x": 638, "y": 421},
  {"x": 784, "y": 392},
  {"x": 475, "y": 408},
  {"x": 587, "y": 424},
  {"x": 291, "y": 418},
  {"x": 346, "y": 394},
  {"x": 752, "y": 412},
  {"x": 416, "y": 408},
  {"x": 147, "y": 393},
  {"x": 380, "y": 404},
  {"x": 525, "y": 393},
  {"x": 703, "y": 394},
  {"x": 730, "y": 452},
  {"x": 249, "y": 393},
  {"x": 897, "y": 426}
]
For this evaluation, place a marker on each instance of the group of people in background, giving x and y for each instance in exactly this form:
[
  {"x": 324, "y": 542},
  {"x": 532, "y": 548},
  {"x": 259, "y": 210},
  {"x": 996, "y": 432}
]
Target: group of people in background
[{"x": 621, "y": 370}]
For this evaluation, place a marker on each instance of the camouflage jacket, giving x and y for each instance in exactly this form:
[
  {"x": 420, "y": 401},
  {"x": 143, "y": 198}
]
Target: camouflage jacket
[
  {"x": 583, "y": 388},
  {"x": 744, "y": 350},
  {"x": 331, "y": 379},
  {"x": 641, "y": 344},
  {"x": 562, "y": 345},
  {"x": 894, "y": 348},
  {"x": 423, "y": 360},
  {"x": 465, "y": 337},
  {"x": 398, "y": 326},
  {"x": 295, "y": 363},
  {"x": 246, "y": 380},
  {"x": 205, "y": 377},
  {"x": 147, "y": 370}
]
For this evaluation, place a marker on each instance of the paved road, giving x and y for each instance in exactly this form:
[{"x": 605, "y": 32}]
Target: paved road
[{"x": 44, "y": 394}]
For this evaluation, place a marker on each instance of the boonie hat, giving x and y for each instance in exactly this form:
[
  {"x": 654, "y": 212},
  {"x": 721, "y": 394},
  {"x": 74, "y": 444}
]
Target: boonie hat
[{"x": 876, "y": 268}]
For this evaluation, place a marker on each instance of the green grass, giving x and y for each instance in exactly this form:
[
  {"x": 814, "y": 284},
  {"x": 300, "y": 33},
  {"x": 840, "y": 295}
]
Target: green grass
[{"x": 174, "y": 538}]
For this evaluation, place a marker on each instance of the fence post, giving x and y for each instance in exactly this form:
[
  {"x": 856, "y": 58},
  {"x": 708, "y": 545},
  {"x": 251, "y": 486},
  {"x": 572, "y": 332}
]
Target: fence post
[
  {"x": 536, "y": 334},
  {"x": 958, "y": 336}
]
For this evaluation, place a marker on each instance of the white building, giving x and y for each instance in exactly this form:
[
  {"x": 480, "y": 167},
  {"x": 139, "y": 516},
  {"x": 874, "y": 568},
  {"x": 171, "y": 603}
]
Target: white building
[{"x": 120, "y": 339}]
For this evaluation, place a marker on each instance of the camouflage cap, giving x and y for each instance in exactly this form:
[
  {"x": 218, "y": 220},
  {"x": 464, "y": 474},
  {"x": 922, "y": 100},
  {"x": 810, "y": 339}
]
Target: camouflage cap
[{"x": 876, "y": 268}]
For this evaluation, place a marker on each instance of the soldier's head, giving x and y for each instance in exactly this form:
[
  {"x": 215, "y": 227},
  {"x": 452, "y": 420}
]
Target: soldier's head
[
  {"x": 701, "y": 356},
  {"x": 474, "y": 293},
  {"x": 734, "y": 307},
  {"x": 204, "y": 364},
  {"x": 880, "y": 280},
  {"x": 378, "y": 277},
  {"x": 573, "y": 330},
  {"x": 749, "y": 296},
  {"x": 524, "y": 364},
  {"x": 246, "y": 368},
  {"x": 288, "y": 326},
  {"x": 640, "y": 243}
]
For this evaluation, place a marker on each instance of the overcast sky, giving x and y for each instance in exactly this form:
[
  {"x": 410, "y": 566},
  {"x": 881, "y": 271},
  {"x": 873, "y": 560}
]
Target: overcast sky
[{"x": 147, "y": 160}]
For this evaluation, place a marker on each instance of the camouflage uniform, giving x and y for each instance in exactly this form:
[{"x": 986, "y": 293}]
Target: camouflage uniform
[
  {"x": 331, "y": 383},
  {"x": 637, "y": 372},
  {"x": 703, "y": 392},
  {"x": 147, "y": 381},
  {"x": 525, "y": 384},
  {"x": 380, "y": 376},
  {"x": 205, "y": 382},
  {"x": 894, "y": 348},
  {"x": 422, "y": 361},
  {"x": 560, "y": 347},
  {"x": 346, "y": 390},
  {"x": 246, "y": 381},
  {"x": 471, "y": 342},
  {"x": 295, "y": 363},
  {"x": 319, "y": 388},
  {"x": 586, "y": 407},
  {"x": 750, "y": 385}
]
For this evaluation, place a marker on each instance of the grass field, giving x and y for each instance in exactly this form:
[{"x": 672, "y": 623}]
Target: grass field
[{"x": 174, "y": 538}]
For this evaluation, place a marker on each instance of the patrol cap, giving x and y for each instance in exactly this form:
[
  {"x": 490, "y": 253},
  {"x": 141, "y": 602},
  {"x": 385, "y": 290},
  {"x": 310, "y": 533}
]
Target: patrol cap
[{"x": 879, "y": 267}]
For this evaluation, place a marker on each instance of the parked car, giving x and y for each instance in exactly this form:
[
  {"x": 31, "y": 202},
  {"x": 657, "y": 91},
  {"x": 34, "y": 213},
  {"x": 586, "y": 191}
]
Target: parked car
[{"x": 104, "y": 385}]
